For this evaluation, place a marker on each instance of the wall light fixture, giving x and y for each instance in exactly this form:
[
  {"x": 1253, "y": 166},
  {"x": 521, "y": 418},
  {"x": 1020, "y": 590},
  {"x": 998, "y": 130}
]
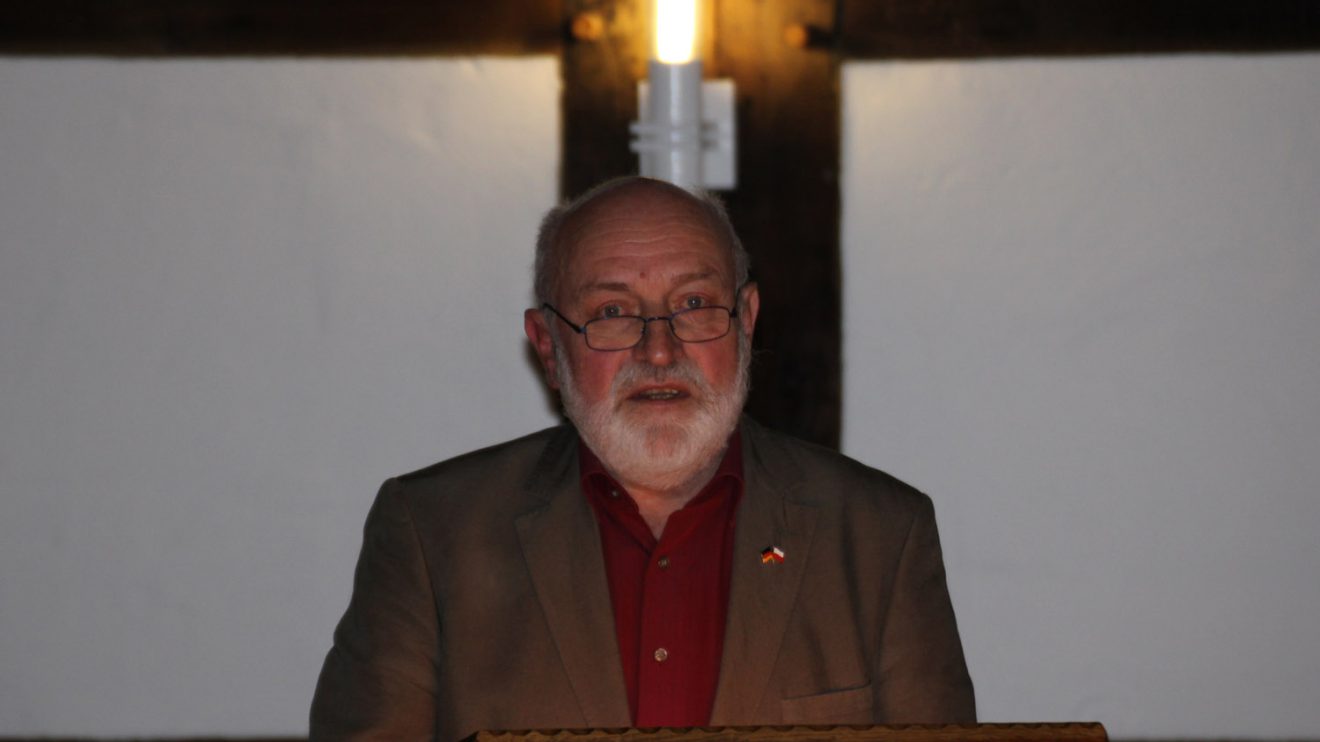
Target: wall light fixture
[{"x": 685, "y": 132}]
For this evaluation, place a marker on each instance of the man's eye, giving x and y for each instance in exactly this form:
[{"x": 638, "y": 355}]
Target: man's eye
[
  {"x": 610, "y": 310},
  {"x": 693, "y": 302}
]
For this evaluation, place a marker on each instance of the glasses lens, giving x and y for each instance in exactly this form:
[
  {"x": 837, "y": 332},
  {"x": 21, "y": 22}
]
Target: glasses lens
[
  {"x": 700, "y": 325},
  {"x": 614, "y": 333}
]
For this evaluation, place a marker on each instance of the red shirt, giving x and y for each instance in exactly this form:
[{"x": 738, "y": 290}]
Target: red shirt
[{"x": 671, "y": 595}]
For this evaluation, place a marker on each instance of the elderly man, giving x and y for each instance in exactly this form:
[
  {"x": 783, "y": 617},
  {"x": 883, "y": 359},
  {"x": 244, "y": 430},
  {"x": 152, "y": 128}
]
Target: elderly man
[{"x": 662, "y": 561}]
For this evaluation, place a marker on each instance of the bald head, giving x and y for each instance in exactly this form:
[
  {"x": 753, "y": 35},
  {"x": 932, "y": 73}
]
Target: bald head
[{"x": 623, "y": 196}]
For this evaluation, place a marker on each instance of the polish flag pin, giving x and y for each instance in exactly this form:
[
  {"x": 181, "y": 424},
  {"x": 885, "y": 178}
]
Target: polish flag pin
[{"x": 772, "y": 555}]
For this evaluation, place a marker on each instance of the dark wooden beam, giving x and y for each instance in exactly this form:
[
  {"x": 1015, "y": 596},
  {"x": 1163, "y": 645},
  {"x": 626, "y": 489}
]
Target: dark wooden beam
[
  {"x": 599, "y": 96},
  {"x": 786, "y": 205},
  {"x": 868, "y": 28},
  {"x": 786, "y": 208},
  {"x": 279, "y": 27},
  {"x": 889, "y": 29}
]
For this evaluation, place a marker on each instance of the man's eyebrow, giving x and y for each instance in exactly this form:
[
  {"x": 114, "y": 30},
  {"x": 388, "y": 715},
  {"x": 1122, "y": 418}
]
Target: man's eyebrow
[
  {"x": 605, "y": 286},
  {"x": 694, "y": 277}
]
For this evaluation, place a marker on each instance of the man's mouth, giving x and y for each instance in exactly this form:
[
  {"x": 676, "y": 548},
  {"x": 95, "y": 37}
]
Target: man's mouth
[{"x": 658, "y": 394}]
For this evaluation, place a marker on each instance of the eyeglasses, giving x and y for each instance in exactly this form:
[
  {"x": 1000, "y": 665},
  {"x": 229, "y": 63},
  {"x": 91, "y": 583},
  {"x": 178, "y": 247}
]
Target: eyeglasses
[{"x": 696, "y": 325}]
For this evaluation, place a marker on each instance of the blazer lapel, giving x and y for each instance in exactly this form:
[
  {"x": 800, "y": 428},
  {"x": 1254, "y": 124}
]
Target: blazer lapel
[
  {"x": 761, "y": 595},
  {"x": 561, "y": 543}
]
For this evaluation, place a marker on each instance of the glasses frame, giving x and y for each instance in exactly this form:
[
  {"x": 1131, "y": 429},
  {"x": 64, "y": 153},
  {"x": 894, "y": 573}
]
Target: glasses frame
[{"x": 646, "y": 323}]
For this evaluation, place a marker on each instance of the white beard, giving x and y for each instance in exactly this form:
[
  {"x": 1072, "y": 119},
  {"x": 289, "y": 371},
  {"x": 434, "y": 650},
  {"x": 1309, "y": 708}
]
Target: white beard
[{"x": 665, "y": 455}]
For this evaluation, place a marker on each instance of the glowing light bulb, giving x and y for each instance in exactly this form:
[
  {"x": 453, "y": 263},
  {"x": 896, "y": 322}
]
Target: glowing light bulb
[
  {"x": 685, "y": 129},
  {"x": 675, "y": 31}
]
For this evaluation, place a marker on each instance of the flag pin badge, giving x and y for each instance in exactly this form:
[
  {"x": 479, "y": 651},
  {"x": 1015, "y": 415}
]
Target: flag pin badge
[{"x": 772, "y": 555}]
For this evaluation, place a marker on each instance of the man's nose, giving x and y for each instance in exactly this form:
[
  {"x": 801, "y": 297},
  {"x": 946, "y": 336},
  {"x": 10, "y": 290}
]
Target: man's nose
[{"x": 658, "y": 347}]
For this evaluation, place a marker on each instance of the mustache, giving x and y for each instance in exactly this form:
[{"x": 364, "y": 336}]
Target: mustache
[{"x": 635, "y": 375}]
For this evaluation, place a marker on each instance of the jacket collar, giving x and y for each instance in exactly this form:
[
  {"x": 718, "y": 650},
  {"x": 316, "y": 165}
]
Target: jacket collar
[{"x": 561, "y": 544}]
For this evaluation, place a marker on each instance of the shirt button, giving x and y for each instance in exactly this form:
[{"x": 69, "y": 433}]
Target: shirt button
[
  {"x": 663, "y": 563},
  {"x": 614, "y": 493},
  {"x": 661, "y": 654}
]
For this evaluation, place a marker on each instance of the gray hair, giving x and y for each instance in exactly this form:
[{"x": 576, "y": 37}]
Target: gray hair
[{"x": 549, "y": 265}]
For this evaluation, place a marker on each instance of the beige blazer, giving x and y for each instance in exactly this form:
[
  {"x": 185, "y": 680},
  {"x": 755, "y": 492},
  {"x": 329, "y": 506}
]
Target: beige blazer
[{"x": 481, "y": 602}]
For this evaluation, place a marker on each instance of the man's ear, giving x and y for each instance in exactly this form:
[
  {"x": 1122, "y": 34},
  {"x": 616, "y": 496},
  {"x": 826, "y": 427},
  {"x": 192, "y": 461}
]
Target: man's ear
[
  {"x": 538, "y": 331},
  {"x": 749, "y": 303}
]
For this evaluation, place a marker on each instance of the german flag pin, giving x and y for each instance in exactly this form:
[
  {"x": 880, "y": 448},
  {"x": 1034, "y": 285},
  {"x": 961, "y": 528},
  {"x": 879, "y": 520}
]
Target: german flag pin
[{"x": 772, "y": 555}]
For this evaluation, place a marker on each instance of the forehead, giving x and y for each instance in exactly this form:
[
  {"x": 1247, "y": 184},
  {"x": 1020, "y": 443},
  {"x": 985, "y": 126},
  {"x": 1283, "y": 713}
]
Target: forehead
[{"x": 636, "y": 238}]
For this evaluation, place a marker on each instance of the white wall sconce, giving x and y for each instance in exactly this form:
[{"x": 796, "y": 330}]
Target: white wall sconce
[{"x": 685, "y": 132}]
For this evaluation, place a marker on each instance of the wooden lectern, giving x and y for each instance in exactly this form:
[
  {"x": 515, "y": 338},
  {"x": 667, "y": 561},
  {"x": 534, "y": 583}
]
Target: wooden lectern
[{"x": 1020, "y": 732}]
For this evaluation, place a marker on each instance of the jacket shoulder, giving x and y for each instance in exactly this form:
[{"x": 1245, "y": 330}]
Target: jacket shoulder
[
  {"x": 506, "y": 466},
  {"x": 820, "y": 475}
]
